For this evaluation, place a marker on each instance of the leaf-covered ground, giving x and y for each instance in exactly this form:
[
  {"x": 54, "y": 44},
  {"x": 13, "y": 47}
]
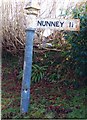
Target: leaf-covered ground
[{"x": 49, "y": 98}]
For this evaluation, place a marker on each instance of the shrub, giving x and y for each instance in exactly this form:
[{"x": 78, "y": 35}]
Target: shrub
[
  {"x": 37, "y": 73},
  {"x": 13, "y": 26},
  {"x": 77, "y": 54}
]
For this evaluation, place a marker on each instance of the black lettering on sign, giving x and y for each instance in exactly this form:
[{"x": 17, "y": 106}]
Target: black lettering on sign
[
  {"x": 61, "y": 24},
  {"x": 47, "y": 23},
  {"x": 71, "y": 24},
  {"x": 43, "y": 23},
  {"x": 57, "y": 23},
  {"x": 39, "y": 23},
  {"x": 52, "y": 23}
]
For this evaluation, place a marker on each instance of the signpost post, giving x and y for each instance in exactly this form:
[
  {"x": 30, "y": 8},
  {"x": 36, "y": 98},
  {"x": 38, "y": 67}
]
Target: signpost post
[
  {"x": 32, "y": 23},
  {"x": 32, "y": 11}
]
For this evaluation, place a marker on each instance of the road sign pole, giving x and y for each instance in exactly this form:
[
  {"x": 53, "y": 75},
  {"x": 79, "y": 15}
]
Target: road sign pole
[
  {"x": 32, "y": 8},
  {"x": 25, "y": 92}
]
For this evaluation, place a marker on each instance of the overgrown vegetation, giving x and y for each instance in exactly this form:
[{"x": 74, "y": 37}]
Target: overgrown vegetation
[
  {"x": 77, "y": 54},
  {"x": 49, "y": 97}
]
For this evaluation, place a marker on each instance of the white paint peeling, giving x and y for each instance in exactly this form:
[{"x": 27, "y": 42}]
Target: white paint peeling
[{"x": 25, "y": 91}]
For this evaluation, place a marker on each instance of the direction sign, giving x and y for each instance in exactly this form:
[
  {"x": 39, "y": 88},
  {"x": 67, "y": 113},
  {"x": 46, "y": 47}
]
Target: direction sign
[{"x": 59, "y": 24}]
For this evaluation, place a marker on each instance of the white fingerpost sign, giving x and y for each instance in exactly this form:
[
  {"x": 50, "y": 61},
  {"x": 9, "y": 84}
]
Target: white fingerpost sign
[{"x": 59, "y": 24}]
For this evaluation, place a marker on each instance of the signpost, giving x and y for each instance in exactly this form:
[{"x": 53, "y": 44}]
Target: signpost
[
  {"x": 32, "y": 23},
  {"x": 32, "y": 11}
]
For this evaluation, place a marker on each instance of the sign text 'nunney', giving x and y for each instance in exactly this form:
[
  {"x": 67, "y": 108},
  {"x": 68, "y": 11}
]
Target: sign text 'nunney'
[{"x": 61, "y": 24}]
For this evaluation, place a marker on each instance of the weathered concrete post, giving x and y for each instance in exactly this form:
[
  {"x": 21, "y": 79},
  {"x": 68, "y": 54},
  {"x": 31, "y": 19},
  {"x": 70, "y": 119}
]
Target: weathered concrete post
[{"x": 32, "y": 11}]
